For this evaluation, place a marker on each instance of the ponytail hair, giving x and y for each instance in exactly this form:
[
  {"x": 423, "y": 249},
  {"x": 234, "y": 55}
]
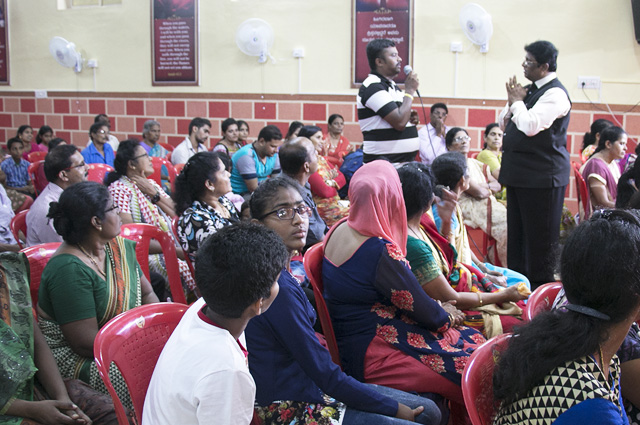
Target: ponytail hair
[
  {"x": 190, "y": 183},
  {"x": 597, "y": 274},
  {"x": 596, "y": 127}
]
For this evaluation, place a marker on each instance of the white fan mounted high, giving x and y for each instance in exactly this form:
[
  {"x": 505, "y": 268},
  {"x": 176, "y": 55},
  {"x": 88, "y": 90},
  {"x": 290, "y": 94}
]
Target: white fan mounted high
[
  {"x": 476, "y": 24},
  {"x": 254, "y": 37},
  {"x": 65, "y": 53}
]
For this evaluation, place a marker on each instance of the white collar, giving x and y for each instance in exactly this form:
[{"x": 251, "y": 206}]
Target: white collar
[{"x": 544, "y": 80}]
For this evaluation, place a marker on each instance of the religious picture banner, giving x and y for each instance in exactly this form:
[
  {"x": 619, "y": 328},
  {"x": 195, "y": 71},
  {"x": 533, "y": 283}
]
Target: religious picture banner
[
  {"x": 4, "y": 44},
  {"x": 392, "y": 19},
  {"x": 174, "y": 36}
]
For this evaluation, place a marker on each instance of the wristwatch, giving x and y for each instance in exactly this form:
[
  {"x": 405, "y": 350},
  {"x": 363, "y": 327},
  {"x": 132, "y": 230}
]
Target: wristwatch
[{"x": 155, "y": 198}]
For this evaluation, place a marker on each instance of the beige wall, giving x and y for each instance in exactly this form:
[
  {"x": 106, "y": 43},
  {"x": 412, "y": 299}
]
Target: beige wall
[{"x": 595, "y": 37}]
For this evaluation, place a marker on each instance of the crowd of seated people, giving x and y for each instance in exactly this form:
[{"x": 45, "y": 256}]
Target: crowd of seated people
[{"x": 408, "y": 297}]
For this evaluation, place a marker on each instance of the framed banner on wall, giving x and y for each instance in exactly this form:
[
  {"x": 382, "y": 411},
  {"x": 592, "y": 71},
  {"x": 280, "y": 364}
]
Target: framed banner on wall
[
  {"x": 392, "y": 19},
  {"x": 174, "y": 39},
  {"x": 4, "y": 44}
]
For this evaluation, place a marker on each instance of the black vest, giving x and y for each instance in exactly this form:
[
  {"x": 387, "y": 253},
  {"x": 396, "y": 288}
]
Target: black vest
[{"x": 539, "y": 161}]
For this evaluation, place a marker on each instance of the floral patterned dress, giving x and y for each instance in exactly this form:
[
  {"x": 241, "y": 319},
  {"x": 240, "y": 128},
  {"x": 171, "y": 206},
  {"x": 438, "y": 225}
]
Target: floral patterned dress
[
  {"x": 374, "y": 293},
  {"x": 199, "y": 221}
]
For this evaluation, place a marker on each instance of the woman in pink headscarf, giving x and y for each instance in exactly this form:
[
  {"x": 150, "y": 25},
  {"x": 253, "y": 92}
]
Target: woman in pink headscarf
[{"x": 389, "y": 331}]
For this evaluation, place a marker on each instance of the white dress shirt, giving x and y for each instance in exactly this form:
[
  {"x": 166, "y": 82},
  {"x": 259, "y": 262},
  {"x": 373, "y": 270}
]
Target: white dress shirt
[{"x": 552, "y": 105}]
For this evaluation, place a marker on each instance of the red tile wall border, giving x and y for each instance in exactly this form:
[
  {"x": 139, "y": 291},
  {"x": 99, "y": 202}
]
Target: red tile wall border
[{"x": 128, "y": 112}]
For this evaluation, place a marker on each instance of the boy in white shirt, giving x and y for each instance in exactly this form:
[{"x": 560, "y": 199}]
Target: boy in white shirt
[{"x": 202, "y": 375}]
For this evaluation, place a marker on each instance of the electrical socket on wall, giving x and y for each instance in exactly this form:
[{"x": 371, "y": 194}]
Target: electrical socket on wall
[{"x": 589, "y": 83}]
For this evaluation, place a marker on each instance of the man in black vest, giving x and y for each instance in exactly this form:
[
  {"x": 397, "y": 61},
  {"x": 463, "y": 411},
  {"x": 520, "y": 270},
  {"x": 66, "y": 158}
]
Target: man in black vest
[{"x": 535, "y": 163}]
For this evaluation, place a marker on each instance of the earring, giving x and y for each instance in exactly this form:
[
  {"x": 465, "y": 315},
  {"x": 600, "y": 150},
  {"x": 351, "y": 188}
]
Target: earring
[{"x": 99, "y": 228}]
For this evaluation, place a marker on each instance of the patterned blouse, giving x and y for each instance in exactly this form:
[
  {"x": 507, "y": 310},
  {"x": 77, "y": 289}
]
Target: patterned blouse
[
  {"x": 200, "y": 221},
  {"x": 568, "y": 394}
]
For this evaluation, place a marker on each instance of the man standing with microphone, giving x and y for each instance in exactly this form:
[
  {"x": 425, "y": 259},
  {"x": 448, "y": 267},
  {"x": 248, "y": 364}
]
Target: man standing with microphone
[{"x": 384, "y": 109}]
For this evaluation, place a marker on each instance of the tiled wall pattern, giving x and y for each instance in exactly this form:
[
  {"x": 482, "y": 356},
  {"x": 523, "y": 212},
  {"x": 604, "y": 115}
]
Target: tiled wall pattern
[{"x": 71, "y": 115}]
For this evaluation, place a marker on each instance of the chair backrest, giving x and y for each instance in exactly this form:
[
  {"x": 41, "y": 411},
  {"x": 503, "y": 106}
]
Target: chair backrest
[
  {"x": 157, "y": 171},
  {"x": 480, "y": 242},
  {"x": 583, "y": 192},
  {"x": 134, "y": 341},
  {"x": 167, "y": 146},
  {"x": 142, "y": 234},
  {"x": 97, "y": 172},
  {"x": 36, "y": 156},
  {"x": 178, "y": 168},
  {"x": 36, "y": 174},
  {"x": 38, "y": 256},
  {"x": 19, "y": 224},
  {"x": 477, "y": 380},
  {"x": 313, "y": 268},
  {"x": 541, "y": 300}
]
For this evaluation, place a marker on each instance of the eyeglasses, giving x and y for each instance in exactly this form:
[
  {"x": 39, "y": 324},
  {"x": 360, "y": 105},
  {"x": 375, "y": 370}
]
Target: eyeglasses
[
  {"x": 462, "y": 139},
  {"x": 81, "y": 165},
  {"x": 101, "y": 132},
  {"x": 114, "y": 207},
  {"x": 287, "y": 213},
  {"x": 139, "y": 156},
  {"x": 529, "y": 62}
]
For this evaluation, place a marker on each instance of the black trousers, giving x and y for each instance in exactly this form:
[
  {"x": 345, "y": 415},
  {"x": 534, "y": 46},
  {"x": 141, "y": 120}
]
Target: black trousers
[{"x": 533, "y": 226}]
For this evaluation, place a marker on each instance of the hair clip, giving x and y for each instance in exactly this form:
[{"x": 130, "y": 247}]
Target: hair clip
[{"x": 587, "y": 311}]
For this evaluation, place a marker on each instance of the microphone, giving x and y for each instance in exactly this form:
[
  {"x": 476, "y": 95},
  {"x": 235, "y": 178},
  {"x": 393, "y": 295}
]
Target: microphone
[{"x": 407, "y": 70}]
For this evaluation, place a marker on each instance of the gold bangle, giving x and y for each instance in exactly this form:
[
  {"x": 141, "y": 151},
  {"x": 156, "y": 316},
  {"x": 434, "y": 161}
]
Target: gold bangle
[
  {"x": 479, "y": 298},
  {"x": 408, "y": 95}
]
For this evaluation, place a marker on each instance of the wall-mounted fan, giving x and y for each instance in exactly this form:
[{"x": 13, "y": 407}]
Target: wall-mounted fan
[
  {"x": 476, "y": 24},
  {"x": 65, "y": 53},
  {"x": 254, "y": 37}
]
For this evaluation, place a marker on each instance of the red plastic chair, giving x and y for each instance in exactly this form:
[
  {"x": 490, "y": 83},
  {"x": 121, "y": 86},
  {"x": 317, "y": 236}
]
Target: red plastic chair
[
  {"x": 313, "y": 268},
  {"x": 480, "y": 243},
  {"x": 583, "y": 192},
  {"x": 97, "y": 172},
  {"x": 157, "y": 171},
  {"x": 19, "y": 224},
  {"x": 36, "y": 174},
  {"x": 38, "y": 256},
  {"x": 142, "y": 234},
  {"x": 174, "y": 226},
  {"x": 541, "y": 300},
  {"x": 28, "y": 201},
  {"x": 167, "y": 146},
  {"x": 134, "y": 341},
  {"x": 178, "y": 168},
  {"x": 477, "y": 380},
  {"x": 36, "y": 156}
]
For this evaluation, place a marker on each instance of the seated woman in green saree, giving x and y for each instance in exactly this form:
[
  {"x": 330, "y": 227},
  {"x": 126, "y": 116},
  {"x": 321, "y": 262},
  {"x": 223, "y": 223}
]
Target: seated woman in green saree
[
  {"x": 91, "y": 278},
  {"x": 32, "y": 390}
]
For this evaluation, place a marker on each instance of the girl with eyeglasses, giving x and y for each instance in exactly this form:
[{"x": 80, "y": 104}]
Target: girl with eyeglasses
[{"x": 296, "y": 381}]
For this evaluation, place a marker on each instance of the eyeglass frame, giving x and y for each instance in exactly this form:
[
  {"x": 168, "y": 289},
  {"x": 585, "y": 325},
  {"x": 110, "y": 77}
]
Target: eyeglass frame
[
  {"x": 84, "y": 164},
  {"x": 462, "y": 138},
  {"x": 294, "y": 210},
  {"x": 135, "y": 158}
]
